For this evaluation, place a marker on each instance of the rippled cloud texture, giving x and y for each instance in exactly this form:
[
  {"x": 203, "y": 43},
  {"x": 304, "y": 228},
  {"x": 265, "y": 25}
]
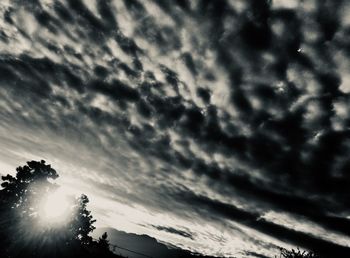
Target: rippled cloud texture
[{"x": 216, "y": 126}]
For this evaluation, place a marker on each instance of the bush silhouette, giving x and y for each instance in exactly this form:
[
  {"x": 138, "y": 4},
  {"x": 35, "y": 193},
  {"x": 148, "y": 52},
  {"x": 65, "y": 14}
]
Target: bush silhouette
[
  {"x": 297, "y": 254},
  {"x": 103, "y": 242}
]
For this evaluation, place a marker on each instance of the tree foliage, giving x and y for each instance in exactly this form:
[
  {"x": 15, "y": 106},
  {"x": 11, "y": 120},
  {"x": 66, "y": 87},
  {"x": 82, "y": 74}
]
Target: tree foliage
[
  {"x": 82, "y": 222},
  {"x": 21, "y": 232},
  {"x": 30, "y": 180}
]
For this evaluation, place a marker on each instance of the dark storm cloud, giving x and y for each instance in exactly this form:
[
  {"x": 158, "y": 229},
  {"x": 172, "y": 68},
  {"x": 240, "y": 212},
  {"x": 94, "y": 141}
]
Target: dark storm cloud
[
  {"x": 252, "y": 220},
  {"x": 190, "y": 105},
  {"x": 174, "y": 231}
]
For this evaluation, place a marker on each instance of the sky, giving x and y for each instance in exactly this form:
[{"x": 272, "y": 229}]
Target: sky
[{"x": 221, "y": 126}]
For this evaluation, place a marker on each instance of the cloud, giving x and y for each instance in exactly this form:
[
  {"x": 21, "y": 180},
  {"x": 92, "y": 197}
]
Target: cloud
[
  {"x": 203, "y": 109},
  {"x": 174, "y": 231}
]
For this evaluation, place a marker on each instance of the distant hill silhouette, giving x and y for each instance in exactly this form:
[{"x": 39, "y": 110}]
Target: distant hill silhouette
[{"x": 143, "y": 244}]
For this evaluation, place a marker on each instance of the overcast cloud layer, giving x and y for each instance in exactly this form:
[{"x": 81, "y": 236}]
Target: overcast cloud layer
[{"x": 217, "y": 126}]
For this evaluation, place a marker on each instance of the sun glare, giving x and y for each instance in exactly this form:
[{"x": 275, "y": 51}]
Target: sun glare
[{"x": 55, "y": 208}]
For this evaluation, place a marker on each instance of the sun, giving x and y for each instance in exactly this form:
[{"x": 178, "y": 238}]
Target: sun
[{"x": 55, "y": 208}]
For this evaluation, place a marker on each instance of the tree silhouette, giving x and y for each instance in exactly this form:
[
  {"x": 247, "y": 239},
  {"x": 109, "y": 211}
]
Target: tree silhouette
[
  {"x": 22, "y": 235},
  {"x": 17, "y": 201},
  {"x": 31, "y": 179},
  {"x": 82, "y": 223}
]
